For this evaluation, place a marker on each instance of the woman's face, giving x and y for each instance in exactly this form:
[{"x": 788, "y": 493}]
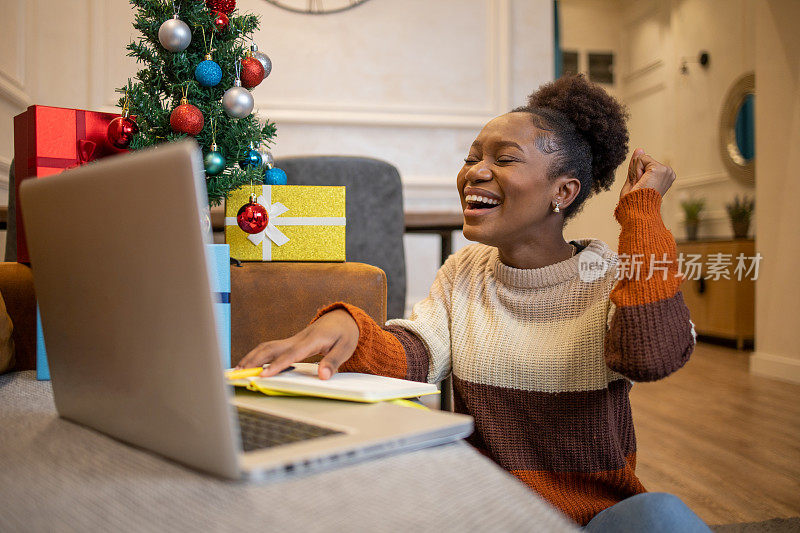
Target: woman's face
[{"x": 505, "y": 192}]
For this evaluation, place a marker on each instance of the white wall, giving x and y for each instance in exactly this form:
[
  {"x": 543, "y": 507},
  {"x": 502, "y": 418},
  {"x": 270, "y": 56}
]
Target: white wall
[
  {"x": 594, "y": 26},
  {"x": 14, "y": 80},
  {"x": 408, "y": 81},
  {"x": 45, "y": 57},
  {"x": 674, "y": 117},
  {"x": 778, "y": 148},
  {"x": 726, "y": 29}
]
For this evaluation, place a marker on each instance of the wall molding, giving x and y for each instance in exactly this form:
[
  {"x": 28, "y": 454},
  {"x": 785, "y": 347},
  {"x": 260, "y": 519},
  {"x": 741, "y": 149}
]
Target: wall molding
[
  {"x": 5, "y": 166},
  {"x": 12, "y": 84},
  {"x": 17, "y": 79},
  {"x": 633, "y": 15},
  {"x": 367, "y": 118},
  {"x": 642, "y": 71},
  {"x": 423, "y": 194},
  {"x": 636, "y": 11},
  {"x": 699, "y": 180},
  {"x": 97, "y": 57},
  {"x": 345, "y": 118},
  {"x": 13, "y": 94},
  {"x": 775, "y": 366},
  {"x": 500, "y": 57}
]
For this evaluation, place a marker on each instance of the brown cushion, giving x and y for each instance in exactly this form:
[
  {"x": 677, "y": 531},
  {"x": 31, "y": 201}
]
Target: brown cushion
[
  {"x": 16, "y": 286},
  {"x": 268, "y": 301},
  {"x": 6, "y": 342},
  {"x": 276, "y": 300}
]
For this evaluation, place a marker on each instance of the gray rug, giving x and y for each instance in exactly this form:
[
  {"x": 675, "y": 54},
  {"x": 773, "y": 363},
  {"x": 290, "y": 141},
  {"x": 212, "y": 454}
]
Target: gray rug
[{"x": 776, "y": 525}]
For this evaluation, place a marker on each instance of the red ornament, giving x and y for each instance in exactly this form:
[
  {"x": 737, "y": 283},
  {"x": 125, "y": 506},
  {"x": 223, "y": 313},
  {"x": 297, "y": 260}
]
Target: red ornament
[
  {"x": 223, "y": 6},
  {"x": 252, "y": 72},
  {"x": 186, "y": 118},
  {"x": 121, "y": 130},
  {"x": 221, "y": 20},
  {"x": 252, "y": 217}
]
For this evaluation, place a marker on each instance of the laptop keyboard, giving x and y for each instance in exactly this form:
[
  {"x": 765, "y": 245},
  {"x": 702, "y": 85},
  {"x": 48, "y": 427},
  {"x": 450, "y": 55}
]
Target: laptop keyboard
[{"x": 260, "y": 430}]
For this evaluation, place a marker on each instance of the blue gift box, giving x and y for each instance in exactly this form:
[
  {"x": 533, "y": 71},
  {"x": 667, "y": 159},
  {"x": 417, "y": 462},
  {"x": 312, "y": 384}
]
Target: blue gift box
[
  {"x": 42, "y": 370},
  {"x": 220, "y": 267},
  {"x": 220, "y": 271}
]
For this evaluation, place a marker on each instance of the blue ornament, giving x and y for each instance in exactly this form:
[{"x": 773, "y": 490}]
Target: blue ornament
[
  {"x": 208, "y": 73},
  {"x": 214, "y": 161},
  {"x": 251, "y": 159},
  {"x": 274, "y": 176}
]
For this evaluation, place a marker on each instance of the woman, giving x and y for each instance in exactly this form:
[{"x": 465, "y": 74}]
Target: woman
[{"x": 543, "y": 337}]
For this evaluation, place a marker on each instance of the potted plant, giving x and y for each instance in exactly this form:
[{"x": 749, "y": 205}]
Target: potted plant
[
  {"x": 692, "y": 207},
  {"x": 740, "y": 211}
]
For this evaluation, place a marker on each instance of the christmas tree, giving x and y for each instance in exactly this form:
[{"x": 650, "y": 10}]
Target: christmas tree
[{"x": 193, "y": 54}]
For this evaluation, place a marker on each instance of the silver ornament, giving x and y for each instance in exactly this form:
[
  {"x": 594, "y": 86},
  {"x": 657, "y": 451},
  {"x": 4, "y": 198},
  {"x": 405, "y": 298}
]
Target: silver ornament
[
  {"x": 175, "y": 35},
  {"x": 237, "y": 101},
  {"x": 262, "y": 58},
  {"x": 267, "y": 161}
]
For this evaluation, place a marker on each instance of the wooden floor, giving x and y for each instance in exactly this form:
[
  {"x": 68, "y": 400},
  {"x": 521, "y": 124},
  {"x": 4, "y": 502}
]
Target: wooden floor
[{"x": 726, "y": 442}]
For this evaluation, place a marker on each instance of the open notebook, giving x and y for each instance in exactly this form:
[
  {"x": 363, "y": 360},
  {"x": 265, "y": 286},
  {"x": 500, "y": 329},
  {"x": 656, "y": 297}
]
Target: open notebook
[{"x": 351, "y": 386}]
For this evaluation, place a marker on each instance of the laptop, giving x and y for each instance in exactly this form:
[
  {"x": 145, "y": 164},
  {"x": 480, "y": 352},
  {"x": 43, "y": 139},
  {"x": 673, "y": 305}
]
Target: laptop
[{"x": 119, "y": 257}]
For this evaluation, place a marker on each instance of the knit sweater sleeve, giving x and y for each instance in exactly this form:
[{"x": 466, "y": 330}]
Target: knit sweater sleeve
[
  {"x": 385, "y": 351},
  {"x": 649, "y": 332},
  {"x": 417, "y": 348}
]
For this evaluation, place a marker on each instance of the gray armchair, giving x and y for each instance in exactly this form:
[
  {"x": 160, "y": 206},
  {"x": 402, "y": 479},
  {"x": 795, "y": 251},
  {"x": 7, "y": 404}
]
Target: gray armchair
[{"x": 375, "y": 221}]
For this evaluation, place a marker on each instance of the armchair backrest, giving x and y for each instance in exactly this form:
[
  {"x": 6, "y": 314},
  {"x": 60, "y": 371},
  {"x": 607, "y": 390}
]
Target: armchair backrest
[{"x": 375, "y": 221}]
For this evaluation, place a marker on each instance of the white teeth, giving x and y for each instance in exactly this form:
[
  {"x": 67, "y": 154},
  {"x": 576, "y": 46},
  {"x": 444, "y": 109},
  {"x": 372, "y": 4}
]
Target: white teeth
[{"x": 481, "y": 199}]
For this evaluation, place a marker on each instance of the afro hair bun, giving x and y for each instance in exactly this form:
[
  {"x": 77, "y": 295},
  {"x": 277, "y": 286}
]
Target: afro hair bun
[{"x": 597, "y": 117}]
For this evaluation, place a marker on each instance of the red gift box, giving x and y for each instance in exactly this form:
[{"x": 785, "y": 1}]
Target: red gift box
[{"x": 49, "y": 140}]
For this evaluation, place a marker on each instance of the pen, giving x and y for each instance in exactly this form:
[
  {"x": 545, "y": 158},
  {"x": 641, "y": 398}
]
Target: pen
[
  {"x": 251, "y": 372},
  {"x": 288, "y": 368}
]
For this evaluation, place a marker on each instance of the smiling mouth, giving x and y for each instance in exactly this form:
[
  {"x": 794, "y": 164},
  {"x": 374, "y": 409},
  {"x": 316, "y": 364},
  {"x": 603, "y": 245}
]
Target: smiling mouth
[{"x": 480, "y": 203}]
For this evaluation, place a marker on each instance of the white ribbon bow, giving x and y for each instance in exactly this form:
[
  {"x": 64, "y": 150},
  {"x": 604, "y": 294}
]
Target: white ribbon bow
[{"x": 274, "y": 234}]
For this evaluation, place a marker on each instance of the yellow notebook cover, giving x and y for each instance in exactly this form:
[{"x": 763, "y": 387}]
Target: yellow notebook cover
[{"x": 350, "y": 386}]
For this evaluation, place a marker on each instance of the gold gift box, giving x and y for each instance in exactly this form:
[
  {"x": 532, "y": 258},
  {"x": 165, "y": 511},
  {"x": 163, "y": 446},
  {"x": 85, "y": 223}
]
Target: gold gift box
[{"x": 306, "y": 223}]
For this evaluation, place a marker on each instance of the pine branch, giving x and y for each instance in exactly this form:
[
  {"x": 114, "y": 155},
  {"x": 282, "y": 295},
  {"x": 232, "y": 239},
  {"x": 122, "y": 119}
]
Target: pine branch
[{"x": 159, "y": 85}]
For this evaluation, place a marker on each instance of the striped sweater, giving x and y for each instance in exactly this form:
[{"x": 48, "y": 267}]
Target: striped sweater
[{"x": 544, "y": 358}]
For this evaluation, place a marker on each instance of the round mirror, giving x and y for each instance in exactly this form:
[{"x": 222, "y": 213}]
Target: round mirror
[
  {"x": 737, "y": 130},
  {"x": 746, "y": 129}
]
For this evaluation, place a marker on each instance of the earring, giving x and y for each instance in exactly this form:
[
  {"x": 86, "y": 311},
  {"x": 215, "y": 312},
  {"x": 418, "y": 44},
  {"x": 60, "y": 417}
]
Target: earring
[{"x": 556, "y": 209}]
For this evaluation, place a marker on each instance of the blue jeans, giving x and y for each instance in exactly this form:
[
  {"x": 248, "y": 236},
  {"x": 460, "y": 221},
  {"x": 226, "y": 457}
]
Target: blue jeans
[{"x": 649, "y": 512}]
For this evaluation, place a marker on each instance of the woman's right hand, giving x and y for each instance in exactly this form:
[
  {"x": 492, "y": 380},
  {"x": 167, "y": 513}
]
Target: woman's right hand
[{"x": 334, "y": 335}]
